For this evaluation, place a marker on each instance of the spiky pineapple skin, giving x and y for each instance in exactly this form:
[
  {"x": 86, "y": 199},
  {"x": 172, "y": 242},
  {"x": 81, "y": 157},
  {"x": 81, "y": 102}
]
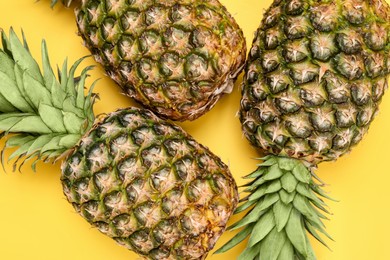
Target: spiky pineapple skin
[
  {"x": 316, "y": 73},
  {"x": 175, "y": 57},
  {"x": 150, "y": 186}
]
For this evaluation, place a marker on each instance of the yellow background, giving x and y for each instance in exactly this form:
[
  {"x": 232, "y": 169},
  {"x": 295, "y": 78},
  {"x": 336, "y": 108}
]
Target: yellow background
[{"x": 37, "y": 223}]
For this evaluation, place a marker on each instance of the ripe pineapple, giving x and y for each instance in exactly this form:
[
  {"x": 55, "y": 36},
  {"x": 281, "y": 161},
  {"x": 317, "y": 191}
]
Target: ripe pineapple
[
  {"x": 315, "y": 76},
  {"x": 176, "y": 57},
  {"x": 140, "y": 180}
]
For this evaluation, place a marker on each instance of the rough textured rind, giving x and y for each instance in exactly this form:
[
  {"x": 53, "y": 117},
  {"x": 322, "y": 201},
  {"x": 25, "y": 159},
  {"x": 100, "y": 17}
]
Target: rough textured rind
[
  {"x": 175, "y": 57},
  {"x": 150, "y": 186},
  {"x": 315, "y": 75}
]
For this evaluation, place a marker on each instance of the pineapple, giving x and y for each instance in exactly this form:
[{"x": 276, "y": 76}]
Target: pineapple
[
  {"x": 316, "y": 73},
  {"x": 138, "y": 179},
  {"x": 175, "y": 57}
]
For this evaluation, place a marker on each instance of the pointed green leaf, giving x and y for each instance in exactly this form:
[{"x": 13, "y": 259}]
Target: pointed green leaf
[
  {"x": 274, "y": 172},
  {"x": 263, "y": 226},
  {"x": 38, "y": 143},
  {"x": 320, "y": 228},
  {"x": 272, "y": 245},
  {"x": 6, "y": 44},
  {"x": 52, "y": 118},
  {"x": 314, "y": 233},
  {"x": 23, "y": 57},
  {"x": 36, "y": 91},
  {"x": 310, "y": 251},
  {"x": 48, "y": 74},
  {"x": 69, "y": 105},
  {"x": 257, "y": 173},
  {"x": 303, "y": 206},
  {"x": 287, "y": 163},
  {"x": 57, "y": 93},
  {"x": 20, "y": 85},
  {"x": 69, "y": 141},
  {"x": 7, "y": 65},
  {"x": 286, "y": 197},
  {"x": 288, "y": 182},
  {"x": 18, "y": 140},
  {"x": 80, "y": 101},
  {"x": 282, "y": 214},
  {"x": 322, "y": 193},
  {"x": 273, "y": 187},
  {"x": 260, "y": 192},
  {"x": 250, "y": 253},
  {"x": 21, "y": 150},
  {"x": 296, "y": 232},
  {"x": 53, "y": 144},
  {"x": 269, "y": 161},
  {"x": 301, "y": 173},
  {"x": 244, "y": 206},
  {"x": 28, "y": 124},
  {"x": 287, "y": 251},
  {"x": 73, "y": 123},
  {"x": 14, "y": 97},
  {"x": 5, "y": 106},
  {"x": 257, "y": 211},
  {"x": 238, "y": 238}
]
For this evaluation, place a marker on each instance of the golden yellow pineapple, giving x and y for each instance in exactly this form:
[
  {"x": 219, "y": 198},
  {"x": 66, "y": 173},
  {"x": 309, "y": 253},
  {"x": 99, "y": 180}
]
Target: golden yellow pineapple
[
  {"x": 176, "y": 57},
  {"x": 138, "y": 179}
]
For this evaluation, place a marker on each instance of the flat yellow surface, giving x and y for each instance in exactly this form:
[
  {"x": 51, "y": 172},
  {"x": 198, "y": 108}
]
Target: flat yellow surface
[{"x": 37, "y": 223}]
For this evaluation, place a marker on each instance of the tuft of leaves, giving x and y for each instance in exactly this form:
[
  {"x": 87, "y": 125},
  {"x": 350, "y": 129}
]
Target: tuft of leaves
[
  {"x": 285, "y": 204},
  {"x": 45, "y": 115}
]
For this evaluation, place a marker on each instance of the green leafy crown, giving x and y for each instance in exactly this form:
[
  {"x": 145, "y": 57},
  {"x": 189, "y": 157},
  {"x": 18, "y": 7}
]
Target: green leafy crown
[
  {"x": 285, "y": 204},
  {"x": 45, "y": 116}
]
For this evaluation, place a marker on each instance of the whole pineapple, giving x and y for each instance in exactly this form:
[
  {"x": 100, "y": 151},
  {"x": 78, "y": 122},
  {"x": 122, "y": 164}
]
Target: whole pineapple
[
  {"x": 316, "y": 73},
  {"x": 176, "y": 57},
  {"x": 140, "y": 180}
]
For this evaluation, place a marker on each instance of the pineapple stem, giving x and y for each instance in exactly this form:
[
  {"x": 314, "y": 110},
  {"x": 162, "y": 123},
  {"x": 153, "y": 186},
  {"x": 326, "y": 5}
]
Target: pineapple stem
[
  {"x": 285, "y": 205},
  {"x": 45, "y": 116}
]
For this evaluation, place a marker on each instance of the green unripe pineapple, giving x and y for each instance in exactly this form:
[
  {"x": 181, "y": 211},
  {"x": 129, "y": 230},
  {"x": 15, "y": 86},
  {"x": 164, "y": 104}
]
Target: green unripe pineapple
[
  {"x": 176, "y": 57},
  {"x": 140, "y": 180},
  {"x": 315, "y": 75}
]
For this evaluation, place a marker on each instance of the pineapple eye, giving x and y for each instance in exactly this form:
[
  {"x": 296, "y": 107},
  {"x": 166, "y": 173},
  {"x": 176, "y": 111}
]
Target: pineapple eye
[
  {"x": 360, "y": 94},
  {"x": 349, "y": 42},
  {"x": 376, "y": 37},
  {"x": 350, "y": 66},
  {"x": 196, "y": 66},
  {"x": 364, "y": 117},
  {"x": 141, "y": 241},
  {"x": 378, "y": 89},
  {"x": 277, "y": 82},
  {"x": 324, "y": 17},
  {"x": 166, "y": 232},
  {"x": 294, "y": 7},
  {"x": 322, "y": 46},
  {"x": 162, "y": 180},
  {"x": 271, "y": 17},
  {"x": 375, "y": 65},
  {"x": 297, "y": 27},
  {"x": 193, "y": 221}
]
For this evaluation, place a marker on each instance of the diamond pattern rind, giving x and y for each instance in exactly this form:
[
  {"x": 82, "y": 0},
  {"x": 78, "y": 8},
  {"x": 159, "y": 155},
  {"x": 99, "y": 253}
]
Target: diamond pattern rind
[
  {"x": 315, "y": 76},
  {"x": 146, "y": 46},
  {"x": 150, "y": 186}
]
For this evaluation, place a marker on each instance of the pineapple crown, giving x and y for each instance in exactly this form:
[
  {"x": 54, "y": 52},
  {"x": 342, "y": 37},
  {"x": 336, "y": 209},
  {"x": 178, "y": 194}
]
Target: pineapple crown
[{"x": 45, "y": 116}]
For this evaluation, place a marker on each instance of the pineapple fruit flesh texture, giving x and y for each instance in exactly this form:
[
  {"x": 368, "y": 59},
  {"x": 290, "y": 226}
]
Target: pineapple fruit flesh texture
[
  {"x": 175, "y": 57},
  {"x": 316, "y": 73},
  {"x": 151, "y": 187}
]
